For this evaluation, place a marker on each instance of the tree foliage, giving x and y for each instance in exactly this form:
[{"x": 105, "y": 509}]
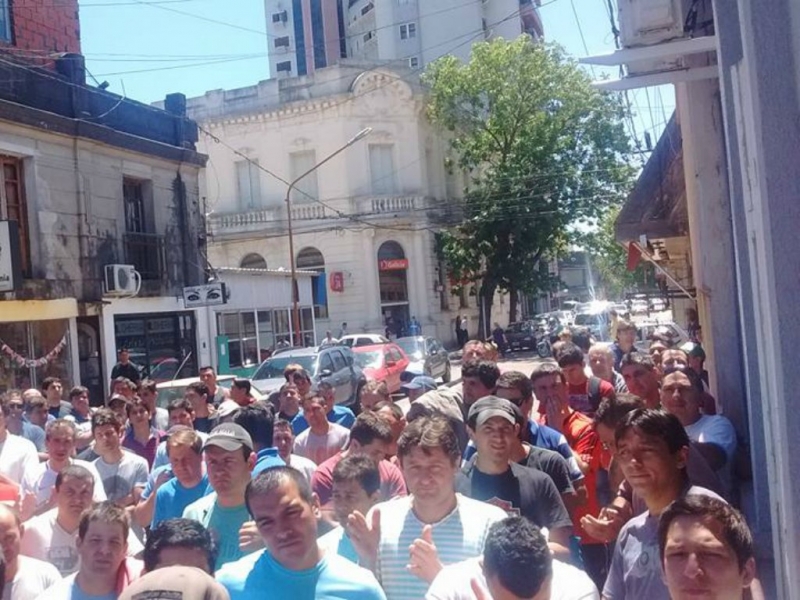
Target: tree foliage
[{"x": 542, "y": 148}]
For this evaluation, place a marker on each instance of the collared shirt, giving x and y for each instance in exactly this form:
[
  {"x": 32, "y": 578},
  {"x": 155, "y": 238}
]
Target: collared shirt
[{"x": 146, "y": 451}]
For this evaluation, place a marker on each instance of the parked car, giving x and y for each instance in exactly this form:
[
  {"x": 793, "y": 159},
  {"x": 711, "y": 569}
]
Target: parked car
[
  {"x": 428, "y": 356},
  {"x": 362, "y": 339},
  {"x": 639, "y": 306},
  {"x": 172, "y": 390},
  {"x": 334, "y": 364},
  {"x": 658, "y": 304},
  {"x": 521, "y": 335},
  {"x": 645, "y": 332},
  {"x": 382, "y": 362},
  {"x": 596, "y": 322}
]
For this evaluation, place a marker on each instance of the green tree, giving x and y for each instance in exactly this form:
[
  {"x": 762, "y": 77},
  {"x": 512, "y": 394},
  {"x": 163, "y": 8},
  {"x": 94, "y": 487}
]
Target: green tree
[
  {"x": 543, "y": 150},
  {"x": 611, "y": 259}
]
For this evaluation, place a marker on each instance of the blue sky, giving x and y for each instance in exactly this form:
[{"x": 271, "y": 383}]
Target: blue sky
[{"x": 149, "y": 48}]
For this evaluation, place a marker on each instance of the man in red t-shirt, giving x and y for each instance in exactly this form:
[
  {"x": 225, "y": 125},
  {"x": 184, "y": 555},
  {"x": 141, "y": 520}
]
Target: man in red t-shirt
[
  {"x": 584, "y": 393},
  {"x": 370, "y": 436},
  {"x": 550, "y": 387}
]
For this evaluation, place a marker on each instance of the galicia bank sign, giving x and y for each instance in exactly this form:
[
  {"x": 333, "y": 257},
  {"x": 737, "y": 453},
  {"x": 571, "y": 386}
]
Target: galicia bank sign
[{"x": 10, "y": 275}]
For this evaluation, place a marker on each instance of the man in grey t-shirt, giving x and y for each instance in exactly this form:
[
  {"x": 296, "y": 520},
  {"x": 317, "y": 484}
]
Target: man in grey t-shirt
[
  {"x": 124, "y": 474},
  {"x": 652, "y": 448}
]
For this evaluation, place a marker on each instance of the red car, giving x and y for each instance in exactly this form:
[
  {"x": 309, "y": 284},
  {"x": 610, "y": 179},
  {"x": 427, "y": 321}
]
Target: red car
[{"x": 382, "y": 362}]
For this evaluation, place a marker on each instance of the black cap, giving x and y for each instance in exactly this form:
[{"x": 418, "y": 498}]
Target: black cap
[
  {"x": 230, "y": 437},
  {"x": 492, "y": 406}
]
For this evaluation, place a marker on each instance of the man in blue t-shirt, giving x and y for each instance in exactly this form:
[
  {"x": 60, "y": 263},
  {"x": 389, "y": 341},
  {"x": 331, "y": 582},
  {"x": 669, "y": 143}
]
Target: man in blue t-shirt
[
  {"x": 229, "y": 460},
  {"x": 341, "y": 415},
  {"x": 281, "y": 502},
  {"x": 185, "y": 451}
]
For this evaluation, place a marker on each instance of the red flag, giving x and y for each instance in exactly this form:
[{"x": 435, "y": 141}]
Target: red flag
[{"x": 634, "y": 256}]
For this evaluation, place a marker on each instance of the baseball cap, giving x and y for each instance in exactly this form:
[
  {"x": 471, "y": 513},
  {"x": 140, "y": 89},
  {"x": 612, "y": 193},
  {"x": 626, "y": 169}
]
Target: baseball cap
[
  {"x": 492, "y": 406},
  {"x": 117, "y": 399},
  {"x": 230, "y": 437},
  {"x": 168, "y": 583},
  {"x": 227, "y": 408},
  {"x": 694, "y": 350},
  {"x": 421, "y": 382}
]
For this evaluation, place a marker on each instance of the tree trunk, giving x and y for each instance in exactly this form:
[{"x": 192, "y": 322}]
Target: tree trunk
[
  {"x": 513, "y": 304},
  {"x": 485, "y": 300}
]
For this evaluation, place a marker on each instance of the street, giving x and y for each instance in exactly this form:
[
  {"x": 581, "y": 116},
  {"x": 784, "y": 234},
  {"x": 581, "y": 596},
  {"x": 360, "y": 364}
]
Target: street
[{"x": 523, "y": 361}]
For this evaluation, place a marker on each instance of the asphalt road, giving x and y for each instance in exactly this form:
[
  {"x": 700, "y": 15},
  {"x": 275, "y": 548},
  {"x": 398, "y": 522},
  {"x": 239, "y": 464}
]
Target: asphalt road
[{"x": 523, "y": 361}]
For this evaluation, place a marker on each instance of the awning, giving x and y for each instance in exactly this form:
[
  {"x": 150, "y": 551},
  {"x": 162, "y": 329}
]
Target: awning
[
  {"x": 37, "y": 310},
  {"x": 656, "y": 207}
]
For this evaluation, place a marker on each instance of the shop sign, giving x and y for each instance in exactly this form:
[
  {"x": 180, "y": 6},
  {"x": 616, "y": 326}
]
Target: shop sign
[
  {"x": 393, "y": 264},
  {"x": 210, "y": 294},
  {"x": 10, "y": 263},
  {"x": 337, "y": 281}
]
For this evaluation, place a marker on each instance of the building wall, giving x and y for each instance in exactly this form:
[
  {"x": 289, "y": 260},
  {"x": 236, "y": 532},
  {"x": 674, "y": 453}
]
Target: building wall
[{"x": 46, "y": 25}]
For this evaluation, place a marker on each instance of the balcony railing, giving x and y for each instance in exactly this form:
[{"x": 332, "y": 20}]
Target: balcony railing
[{"x": 145, "y": 251}]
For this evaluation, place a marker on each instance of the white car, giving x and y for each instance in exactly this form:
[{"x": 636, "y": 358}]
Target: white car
[
  {"x": 170, "y": 390},
  {"x": 645, "y": 331},
  {"x": 363, "y": 339}
]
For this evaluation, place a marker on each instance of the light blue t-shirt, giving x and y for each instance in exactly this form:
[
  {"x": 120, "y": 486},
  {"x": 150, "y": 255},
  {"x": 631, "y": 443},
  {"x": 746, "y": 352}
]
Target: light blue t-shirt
[
  {"x": 260, "y": 577},
  {"x": 336, "y": 541},
  {"x": 341, "y": 415},
  {"x": 68, "y": 589},
  {"x": 172, "y": 498},
  {"x": 223, "y": 523}
]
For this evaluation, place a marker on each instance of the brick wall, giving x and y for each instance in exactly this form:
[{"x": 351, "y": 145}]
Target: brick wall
[{"x": 45, "y": 25}]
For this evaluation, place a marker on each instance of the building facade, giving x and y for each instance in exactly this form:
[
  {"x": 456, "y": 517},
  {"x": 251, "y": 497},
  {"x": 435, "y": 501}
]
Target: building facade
[
  {"x": 305, "y": 35},
  {"x": 90, "y": 180},
  {"x": 363, "y": 223}
]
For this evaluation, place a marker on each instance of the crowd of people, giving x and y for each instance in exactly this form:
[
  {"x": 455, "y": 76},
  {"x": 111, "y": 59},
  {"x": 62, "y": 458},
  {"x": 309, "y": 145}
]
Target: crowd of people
[{"x": 606, "y": 472}]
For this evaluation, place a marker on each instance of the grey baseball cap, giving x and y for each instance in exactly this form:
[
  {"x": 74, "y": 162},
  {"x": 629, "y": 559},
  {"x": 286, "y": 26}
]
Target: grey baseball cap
[
  {"x": 492, "y": 406},
  {"x": 230, "y": 437}
]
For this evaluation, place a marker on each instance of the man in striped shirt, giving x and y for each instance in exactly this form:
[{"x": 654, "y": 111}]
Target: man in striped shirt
[{"x": 407, "y": 541}]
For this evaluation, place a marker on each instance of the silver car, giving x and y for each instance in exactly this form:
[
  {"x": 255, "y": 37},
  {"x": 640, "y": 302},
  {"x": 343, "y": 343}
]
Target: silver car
[{"x": 427, "y": 355}]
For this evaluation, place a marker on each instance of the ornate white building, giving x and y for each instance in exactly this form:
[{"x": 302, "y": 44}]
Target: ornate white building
[{"x": 365, "y": 221}]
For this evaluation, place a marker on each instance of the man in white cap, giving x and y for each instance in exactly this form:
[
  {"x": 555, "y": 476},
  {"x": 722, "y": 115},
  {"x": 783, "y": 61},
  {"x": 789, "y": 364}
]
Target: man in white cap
[{"x": 229, "y": 460}]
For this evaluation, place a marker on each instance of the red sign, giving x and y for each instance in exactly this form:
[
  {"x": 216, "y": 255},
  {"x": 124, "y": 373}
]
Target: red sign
[
  {"x": 393, "y": 264},
  {"x": 337, "y": 281}
]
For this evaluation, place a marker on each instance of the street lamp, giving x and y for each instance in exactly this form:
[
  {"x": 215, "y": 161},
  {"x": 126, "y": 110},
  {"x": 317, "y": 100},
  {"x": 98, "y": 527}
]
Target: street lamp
[{"x": 295, "y": 288}]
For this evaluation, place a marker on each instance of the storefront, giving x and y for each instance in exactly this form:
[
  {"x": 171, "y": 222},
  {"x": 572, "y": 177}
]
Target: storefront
[
  {"x": 393, "y": 284},
  {"x": 37, "y": 340},
  {"x": 258, "y": 316}
]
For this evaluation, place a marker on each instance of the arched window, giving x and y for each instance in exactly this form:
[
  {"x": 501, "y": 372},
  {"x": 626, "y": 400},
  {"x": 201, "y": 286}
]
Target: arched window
[
  {"x": 253, "y": 261},
  {"x": 311, "y": 259},
  {"x": 393, "y": 282}
]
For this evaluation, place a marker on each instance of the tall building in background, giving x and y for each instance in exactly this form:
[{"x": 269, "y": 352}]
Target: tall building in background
[{"x": 305, "y": 35}]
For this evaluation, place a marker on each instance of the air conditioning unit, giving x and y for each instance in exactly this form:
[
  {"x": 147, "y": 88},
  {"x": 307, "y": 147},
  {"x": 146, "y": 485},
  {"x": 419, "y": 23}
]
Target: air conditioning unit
[{"x": 122, "y": 280}]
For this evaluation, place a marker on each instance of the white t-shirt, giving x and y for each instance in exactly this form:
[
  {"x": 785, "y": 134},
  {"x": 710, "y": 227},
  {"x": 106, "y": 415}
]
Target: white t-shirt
[
  {"x": 120, "y": 478},
  {"x": 302, "y": 464},
  {"x": 454, "y": 582},
  {"x": 17, "y": 455},
  {"x": 32, "y": 578},
  {"x": 46, "y": 540},
  {"x": 319, "y": 448},
  {"x": 41, "y": 481}
]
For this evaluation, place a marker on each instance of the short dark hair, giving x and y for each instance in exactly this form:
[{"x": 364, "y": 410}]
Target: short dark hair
[
  {"x": 207, "y": 368},
  {"x": 48, "y": 381},
  {"x": 105, "y": 416},
  {"x": 180, "y": 404},
  {"x": 269, "y": 480},
  {"x": 569, "y": 354},
  {"x": 74, "y": 471},
  {"x": 296, "y": 369},
  {"x": 105, "y": 512},
  {"x": 518, "y": 381},
  {"x": 124, "y": 380},
  {"x": 707, "y": 508},
  {"x": 149, "y": 385},
  {"x": 487, "y": 371},
  {"x": 258, "y": 420},
  {"x": 582, "y": 338},
  {"x": 611, "y": 411},
  {"x": 198, "y": 387},
  {"x": 242, "y": 384},
  {"x": 178, "y": 533},
  {"x": 32, "y": 404},
  {"x": 370, "y": 427},
  {"x": 637, "y": 358},
  {"x": 429, "y": 433},
  {"x": 396, "y": 410},
  {"x": 546, "y": 369},
  {"x": 690, "y": 373},
  {"x": 361, "y": 469},
  {"x": 516, "y": 552},
  {"x": 135, "y": 401},
  {"x": 78, "y": 390},
  {"x": 282, "y": 424},
  {"x": 60, "y": 424},
  {"x": 657, "y": 423}
]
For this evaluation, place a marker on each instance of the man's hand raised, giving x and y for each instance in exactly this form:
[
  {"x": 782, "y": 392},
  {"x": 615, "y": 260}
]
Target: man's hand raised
[
  {"x": 424, "y": 559},
  {"x": 366, "y": 536}
]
